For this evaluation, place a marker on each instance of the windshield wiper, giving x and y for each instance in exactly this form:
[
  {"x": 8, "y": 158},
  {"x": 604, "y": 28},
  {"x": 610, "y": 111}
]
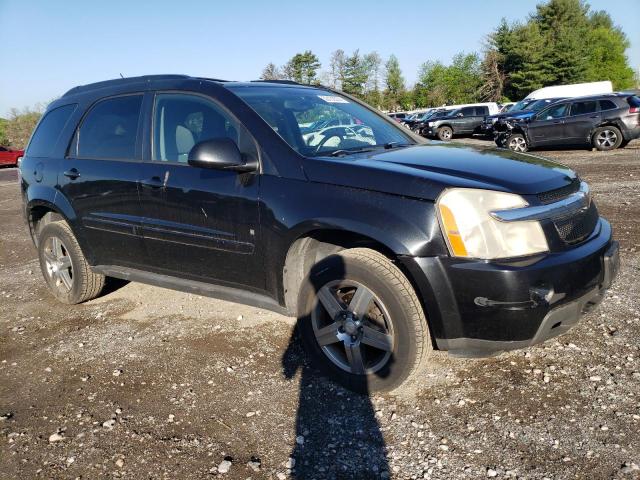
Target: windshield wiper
[
  {"x": 390, "y": 145},
  {"x": 340, "y": 153}
]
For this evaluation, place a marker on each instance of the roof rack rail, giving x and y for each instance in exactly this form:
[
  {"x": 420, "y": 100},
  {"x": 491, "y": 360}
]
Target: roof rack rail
[
  {"x": 286, "y": 82},
  {"x": 122, "y": 81}
]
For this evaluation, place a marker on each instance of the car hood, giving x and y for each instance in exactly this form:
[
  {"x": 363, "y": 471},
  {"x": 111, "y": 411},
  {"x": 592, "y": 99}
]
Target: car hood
[{"x": 423, "y": 171}]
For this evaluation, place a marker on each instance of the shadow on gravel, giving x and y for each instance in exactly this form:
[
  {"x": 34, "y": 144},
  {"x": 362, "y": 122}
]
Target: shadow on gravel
[{"x": 337, "y": 433}]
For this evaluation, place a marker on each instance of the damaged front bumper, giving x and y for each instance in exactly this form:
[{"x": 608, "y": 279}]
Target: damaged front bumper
[{"x": 478, "y": 308}]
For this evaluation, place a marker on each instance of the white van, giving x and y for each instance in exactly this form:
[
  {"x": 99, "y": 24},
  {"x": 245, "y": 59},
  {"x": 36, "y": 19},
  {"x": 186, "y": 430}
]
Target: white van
[{"x": 574, "y": 90}]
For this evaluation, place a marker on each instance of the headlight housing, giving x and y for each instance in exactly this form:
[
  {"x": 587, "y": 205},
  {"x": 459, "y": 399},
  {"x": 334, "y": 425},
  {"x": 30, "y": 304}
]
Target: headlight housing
[{"x": 471, "y": 231}]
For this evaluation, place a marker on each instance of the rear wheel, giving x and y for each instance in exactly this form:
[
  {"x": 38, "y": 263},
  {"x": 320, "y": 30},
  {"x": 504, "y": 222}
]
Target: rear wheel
[
  {"x": 606, "y": 138},
  {"x": 517, "y": 143},
  {"x": 365, "y": 327},
  {"x": 445, "y": 133},
  {"x": 64, "y": 267}
]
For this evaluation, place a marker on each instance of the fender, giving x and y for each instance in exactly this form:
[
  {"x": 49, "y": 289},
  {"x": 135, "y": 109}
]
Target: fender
[
  {"x": 46, "y": 196},
  {"x": 615, "y": 122}
]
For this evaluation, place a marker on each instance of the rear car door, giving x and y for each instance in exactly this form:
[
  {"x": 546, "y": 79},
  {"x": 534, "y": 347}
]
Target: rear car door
[
  {"x": 200, "y": 223},
  {"x": 99, "y": 178},
  {"x": 548, "y": 126},
  {"x": 582, "y": 117}
]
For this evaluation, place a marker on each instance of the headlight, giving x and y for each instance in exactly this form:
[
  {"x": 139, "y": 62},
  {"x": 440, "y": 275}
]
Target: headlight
[{"x": 472, "y": 232}]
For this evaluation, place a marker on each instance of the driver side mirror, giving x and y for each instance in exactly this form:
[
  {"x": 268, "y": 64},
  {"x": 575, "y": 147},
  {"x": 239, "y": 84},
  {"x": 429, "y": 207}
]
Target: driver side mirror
[
  {"x": 460, "y": 114},
  {"x": 219, "y": 154}
]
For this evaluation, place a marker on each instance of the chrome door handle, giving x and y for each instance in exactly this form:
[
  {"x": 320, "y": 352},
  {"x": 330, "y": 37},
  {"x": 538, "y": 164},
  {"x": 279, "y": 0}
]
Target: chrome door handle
[{"x": 72, "y": 174}]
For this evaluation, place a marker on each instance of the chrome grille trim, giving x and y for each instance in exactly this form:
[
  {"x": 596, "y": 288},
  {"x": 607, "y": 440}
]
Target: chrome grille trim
[{"x": 571, "y": 205}]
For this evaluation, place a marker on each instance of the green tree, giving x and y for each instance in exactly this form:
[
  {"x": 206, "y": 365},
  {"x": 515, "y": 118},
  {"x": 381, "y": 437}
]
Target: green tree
[
  {"x": 4, "y": 141},
  {"x": 440, "y": 84},
  {"x": 607, "y": 57},
  {"x": 355, "y": 75},
  {"x": 302, "y": 68},
  {"x": 394, "y": 83},
  {"x": 561, "y": 43}
]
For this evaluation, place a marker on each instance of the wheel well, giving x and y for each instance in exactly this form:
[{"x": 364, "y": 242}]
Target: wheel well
[
  {"x": 39, "y": 216},
  {"x": 308, "y": 250}
]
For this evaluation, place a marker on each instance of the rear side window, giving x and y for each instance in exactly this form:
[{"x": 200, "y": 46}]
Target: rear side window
[
  {"x": 48, "y": 132},
  {"x": 582, "y": 108},
  {"x": 607, "y": 105},
  {"x": 482, "y": 111},
  {"x": 110, "y": 129}
]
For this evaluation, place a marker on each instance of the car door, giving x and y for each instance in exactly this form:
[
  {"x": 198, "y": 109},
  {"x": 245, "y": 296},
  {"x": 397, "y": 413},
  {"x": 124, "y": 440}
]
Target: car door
[
  {"x": 582, "y": 116},
  {"x": 548, "y": 126},
  {"x": 99, "y": 178},
  {"x": 200, "y": 223},
  {"x": 464, "y": 124}
]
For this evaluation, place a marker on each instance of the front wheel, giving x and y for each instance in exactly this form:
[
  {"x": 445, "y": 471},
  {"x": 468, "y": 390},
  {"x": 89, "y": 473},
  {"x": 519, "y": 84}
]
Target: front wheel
[
  {"x": 517, "y": 143},
  {"x": 606, "y": 138},
  {"x": 64, "y": 266},
  {"x": 445, "y": 133},
  {"x": 363, "y": 324}
]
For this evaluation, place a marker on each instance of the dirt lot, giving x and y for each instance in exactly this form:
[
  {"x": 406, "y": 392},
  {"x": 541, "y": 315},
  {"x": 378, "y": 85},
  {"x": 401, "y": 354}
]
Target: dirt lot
[{"x": 150, "y": 383}]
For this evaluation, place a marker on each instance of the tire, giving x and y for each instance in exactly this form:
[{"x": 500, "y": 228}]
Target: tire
[
  {"x": 606, "y": 138},
  {"x": 624, "y": 143},
  {"x": 517, "y": 143},
  {"x": 394, "y": 322},
  {"x": 64, "y": 267},
  {"x": 445, "y": 133}
]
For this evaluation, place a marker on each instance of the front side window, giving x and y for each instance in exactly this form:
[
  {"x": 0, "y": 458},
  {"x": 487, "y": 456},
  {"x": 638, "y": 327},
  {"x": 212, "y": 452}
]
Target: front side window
[
  {"x": 582, "y": 108},
  {"x": 183, "y": 120},
  {"x": 317, "y": 122},
  {"x": 110, "y": 129},
  {"x": 557, "y": 111},
  {"x": 468, "y": 112}
]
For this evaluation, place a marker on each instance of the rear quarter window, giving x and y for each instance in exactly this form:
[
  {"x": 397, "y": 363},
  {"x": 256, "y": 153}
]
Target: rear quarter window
[{"x": 48, "y": 132}]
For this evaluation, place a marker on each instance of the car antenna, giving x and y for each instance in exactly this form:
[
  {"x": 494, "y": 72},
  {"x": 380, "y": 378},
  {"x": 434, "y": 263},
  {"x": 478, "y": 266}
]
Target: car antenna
[{"x": 121, "y": 76}]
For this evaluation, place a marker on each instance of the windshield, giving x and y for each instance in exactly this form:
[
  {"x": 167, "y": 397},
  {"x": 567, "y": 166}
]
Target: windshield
[
  {"x": 318, "y": 122},
  {"x": 521, "y": 105},
  {"x": 540, "y": 104}
]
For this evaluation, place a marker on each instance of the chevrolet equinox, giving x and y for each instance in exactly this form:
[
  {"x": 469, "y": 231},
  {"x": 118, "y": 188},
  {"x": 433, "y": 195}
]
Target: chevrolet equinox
[{"x": 306, "y": 201}]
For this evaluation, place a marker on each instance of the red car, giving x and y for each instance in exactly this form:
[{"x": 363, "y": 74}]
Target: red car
[{"x": 10, "y": 157}]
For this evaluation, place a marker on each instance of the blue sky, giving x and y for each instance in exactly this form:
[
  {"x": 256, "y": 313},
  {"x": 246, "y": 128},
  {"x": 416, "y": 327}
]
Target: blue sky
[{"x": 51, "y": 46}]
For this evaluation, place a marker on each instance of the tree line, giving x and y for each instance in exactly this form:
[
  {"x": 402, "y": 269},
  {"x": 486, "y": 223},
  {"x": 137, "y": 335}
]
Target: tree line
[{"x": 562, "y": 42}]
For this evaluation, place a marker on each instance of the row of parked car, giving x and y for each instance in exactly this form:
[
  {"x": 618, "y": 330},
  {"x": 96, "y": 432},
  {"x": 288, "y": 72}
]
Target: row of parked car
[{"x": 605, "y": 120}]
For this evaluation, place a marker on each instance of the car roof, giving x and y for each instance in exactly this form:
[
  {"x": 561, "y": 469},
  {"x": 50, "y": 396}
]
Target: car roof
[{"x": 145, "y": 80}]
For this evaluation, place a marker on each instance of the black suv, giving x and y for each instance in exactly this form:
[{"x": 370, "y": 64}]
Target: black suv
[
  {"x": 384, "y": 247},
  {"x": 604, "y": 121},
  {"x": 463, "y": 121}
]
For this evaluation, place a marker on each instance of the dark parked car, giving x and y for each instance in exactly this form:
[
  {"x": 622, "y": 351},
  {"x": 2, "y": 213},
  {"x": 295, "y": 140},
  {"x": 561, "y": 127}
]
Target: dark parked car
[
  {"x": 463, "y": 121},
  {"x": 604, "y": 121},
  {"x": 383, "y": 246},
  {"x": 495, "y": 123}
]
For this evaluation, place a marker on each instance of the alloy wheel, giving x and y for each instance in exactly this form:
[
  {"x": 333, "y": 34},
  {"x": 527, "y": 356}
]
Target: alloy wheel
[
  {"x": 352, "y": 327},
  {"x": 518, "y": 144},
  {"x": 58, "y": 264},
  {"x": 607, "y": 138}
]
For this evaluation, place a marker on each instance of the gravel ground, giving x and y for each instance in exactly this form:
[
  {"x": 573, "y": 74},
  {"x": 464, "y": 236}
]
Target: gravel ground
[{"x": 150, "y": 383}]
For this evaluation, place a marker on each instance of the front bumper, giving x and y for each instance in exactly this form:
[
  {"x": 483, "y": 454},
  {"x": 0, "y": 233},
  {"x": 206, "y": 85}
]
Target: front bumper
[{"x": 477, "y": 308}]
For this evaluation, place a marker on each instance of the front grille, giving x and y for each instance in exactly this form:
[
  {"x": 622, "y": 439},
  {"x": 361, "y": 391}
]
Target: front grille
[
  {"x": 578, "y": 227},
  {"x": 559, "y": 193}
]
